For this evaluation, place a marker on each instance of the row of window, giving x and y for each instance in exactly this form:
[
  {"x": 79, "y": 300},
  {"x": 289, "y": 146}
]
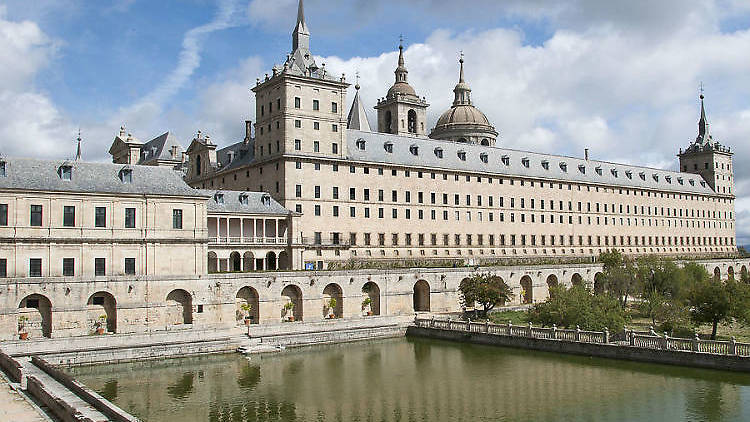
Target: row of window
[
  {"x": 69, "y": 217},
  {"x": 297, "y": 105},
  {"x": 419, "y": 239},
  {"x": 68, "y": 267}
]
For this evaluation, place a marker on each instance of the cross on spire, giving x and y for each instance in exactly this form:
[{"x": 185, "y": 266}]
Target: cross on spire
[
  {"x": 78, "y": 149},
  {"x": 701, "y": 89},
  {"x": 357, "y": 85}
]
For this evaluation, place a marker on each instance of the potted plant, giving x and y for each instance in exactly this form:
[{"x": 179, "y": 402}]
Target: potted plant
[
  {"x": 246, "y": 308},
  {"x": 22, "y": 333},
  {"x": 331, "y": 306},
  {"x": 366, "y": 303},
  {"x": 99, "y": 324},
  {"x": 289, "y": 311}
]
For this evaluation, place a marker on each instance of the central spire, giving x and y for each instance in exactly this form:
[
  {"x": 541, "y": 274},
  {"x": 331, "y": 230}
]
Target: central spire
[
  {"x": 462, "y": 90},
  {"x": 703, "y": 134},
  {"x": 301, "y": 35},
  {"x": 401, "y": 72}
]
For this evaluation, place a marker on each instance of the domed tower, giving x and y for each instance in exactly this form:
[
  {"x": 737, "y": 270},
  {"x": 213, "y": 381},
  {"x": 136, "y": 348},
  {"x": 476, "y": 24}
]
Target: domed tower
[
  {"x": 402, "y": 111},
  {"x": 464, "y": 122}
]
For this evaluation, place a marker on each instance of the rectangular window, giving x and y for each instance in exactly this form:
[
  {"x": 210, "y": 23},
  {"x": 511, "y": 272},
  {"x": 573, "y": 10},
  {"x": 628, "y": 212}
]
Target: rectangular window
[
  {"x": 334, "y": 108},
  {"x": 335, "y": 211},
  {"x": 130, "y": 266},
  {"x": 316, "y": 125},
  {"x": 35, "y": 267},
  {"x": 317, "y": 192},
  {"x": 100, "y": 267},
  {"x": 352, "y": 194},
  {"x": 335, "y": 148},
  {"x": 177, "y": 219},
  {"x": 316, "y": 146},
  {"x": 129, "y": 218},
  {"x": 36, "y": 215},
  {"x": 3, "y": 214},
  {"x": 297, "y": 102},
  {"x": 298, "y": 191},
  {"x": 317, "y": 210},
  {"x": 69, "y": 267},
  {"x": 100, "y": 217},
  {"x": 316, "y": 105},
  {"x": 297, "y": 145},
  {"x": 2, "y": 169},
  {"x": 3, "y": 268}
]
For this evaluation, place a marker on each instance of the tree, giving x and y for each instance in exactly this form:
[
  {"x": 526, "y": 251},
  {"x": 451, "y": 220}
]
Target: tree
[
  {"x": 486, "y": 290},
  {"x": 710, "y": 303},
  {"x": 576, "y": 306},
  {"x": 619, "y": 275}
]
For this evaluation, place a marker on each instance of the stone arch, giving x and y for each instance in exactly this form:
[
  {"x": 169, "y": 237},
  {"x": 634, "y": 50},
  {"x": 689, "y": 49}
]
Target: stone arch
[
  {"x": 292, "y": 294},
  {"x": 421, "y": 296},
  {"x": 495, "y": 278},
  {"x": 247, "y": 296},
  {"x": 717, "y": 274},
  {"x": 527, "y": 296},
  {"x": 599, "y": 283},
  {"x": 35, "y": 315},
  {"x": 248, "y": 261},
  {"x": 552, "y": 282},
  {"x": 730, "y": 273},
  {"x": 235, "y": 262},
  {"x": 271, "y": 261},
  {"x": 179, "y": 307},
  {"x": 743, "y": 274},
  {"x": 284, "y": 261},
  {"x": 412, "y": 119},
  {"x": 333, "y": 292},
  {"x": 372, "y": 291},
  {"x": 576, "y": 280},
  {"x": 213, "y": 263},
  {"x": 103, "y": 304},
  {"x": 485, "y": 142}
]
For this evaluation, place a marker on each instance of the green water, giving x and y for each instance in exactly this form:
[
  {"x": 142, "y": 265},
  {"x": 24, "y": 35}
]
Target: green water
[{"x": 418, "y": 380}]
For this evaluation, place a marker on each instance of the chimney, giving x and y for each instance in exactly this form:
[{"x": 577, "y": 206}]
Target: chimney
[
  {"x": 174, "y": 151},
  {"x": 248, "y": 131},
  {"x": 586, "y": 154}
]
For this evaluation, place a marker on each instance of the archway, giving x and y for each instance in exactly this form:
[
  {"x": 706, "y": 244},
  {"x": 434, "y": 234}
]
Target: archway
[
  {"x": 412, "y": 117},
  {"x": 102, "y": 304},
  {"x": 744, "y": 275},
  {"x": 213, "y": 263},
  {"x": 271, "y": 261},
  {"x": 371, "y": 291},
  {"x": 284, "y": 261},
  {"x": 35, "y": 316},
  {"x": 179, "y": 308},
  {"x": 248, "y": 260},
  {"x": 421, "y": 296},
  {"x": 599, "y": 283},
  {"x": 333, "y": 301},
  {"x": 552, "y": 282},
  {"x": 576, "y": 280},
  {"x": 730, "y": 273},
  {"x": 717, "y": 274},
  {"x": 527, "y": 290},
  {"x": 247, "y": 297},
  {"x": 485, "y": 142},
  {"x": 235, "y": 262},
  {"x": 292, "y": 295}
]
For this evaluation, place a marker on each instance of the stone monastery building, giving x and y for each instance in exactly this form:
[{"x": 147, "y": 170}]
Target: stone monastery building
[{"x": 403, "y": 192}]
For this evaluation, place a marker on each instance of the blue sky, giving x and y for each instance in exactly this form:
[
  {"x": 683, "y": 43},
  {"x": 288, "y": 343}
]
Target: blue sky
[{"x": 618, "y": 77}]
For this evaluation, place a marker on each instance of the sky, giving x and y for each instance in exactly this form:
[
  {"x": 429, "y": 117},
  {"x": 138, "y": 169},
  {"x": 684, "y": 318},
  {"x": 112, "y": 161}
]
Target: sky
[{"x": 618, "y": 77}]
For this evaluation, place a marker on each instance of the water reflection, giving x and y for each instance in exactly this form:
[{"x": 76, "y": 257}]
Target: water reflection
[{"x": 418, "y": 380}]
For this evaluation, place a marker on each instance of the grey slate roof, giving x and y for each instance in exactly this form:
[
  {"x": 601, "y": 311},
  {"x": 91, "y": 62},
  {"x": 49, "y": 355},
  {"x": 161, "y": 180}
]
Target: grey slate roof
[
  {"x": 233, "y": 205},
  {"x": 160, "y": 148},
  {"x": 43, "y": 175},
  {"x": 242, "y": 156},
  {"x": 357, "y": 115},
  {"x": 519, "y": 163}
]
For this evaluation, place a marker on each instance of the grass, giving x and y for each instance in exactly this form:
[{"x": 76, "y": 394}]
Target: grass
[
  {"x": 504, "y": 317},
  {"x": 725, "y": 331}
]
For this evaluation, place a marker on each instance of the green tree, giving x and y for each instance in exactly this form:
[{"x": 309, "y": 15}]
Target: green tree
[
  {"x": 710, "y": 304},
  {"x": 577, "y": 306},
  {"x": 619, "y": 275},
  {"x": 486, "y": 290}
]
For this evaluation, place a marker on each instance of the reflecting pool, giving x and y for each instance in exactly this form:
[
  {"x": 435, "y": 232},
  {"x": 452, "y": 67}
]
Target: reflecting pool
[{"x": 417, "y": 380}]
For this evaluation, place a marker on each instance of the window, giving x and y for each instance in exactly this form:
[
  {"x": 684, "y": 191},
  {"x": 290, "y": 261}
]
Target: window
[
  {"x": 297, "y": 102},
  {"x": 35, "y": 267},
  {"x": 36, "y": 215},
  {"x": 68, "y": 267},
  {"x": 130, "y": 266},
  {"x": 100, "y": 217},
  {"x": 525, "y": 162},
  {"x": 335, "y": 148},
  {"x": 462, "y": 155},
  {"x": 2, "y": 169},
  {"x": 334, "y": 128},
  {"x": 414, "y": 150},
  {"x": 316, "y": 146},
  {"x": 177, "y": 219},
  {"x": 3, "y": 268},
  {"x": 297, "y": 145},
  {"x": 361, "y": 144},
  {"x": 3, "y": 214},
  {"x": 298, "y": 191},
  {"x": 484, "y": 157},
  {"x": 317, "y": 192},
  {"x": 66, "y": 172},
  {"x": 334, "y": 108},
  {"x": 388, "y": 147},
  {"x": 545, "y": 165},
  {"x": 126, "y": 175},
  {"x": 69, "y": 216},
  {"x": 317, "y": 210},
  {"x": 297, "y": 124},
  {"x": 316, "y": 105},
  {"x": 316, "y": 126},
  {"x": 129, "y": 218},
  {"x": 439, "y": 152},
  {"x": 100, "y": 267}
]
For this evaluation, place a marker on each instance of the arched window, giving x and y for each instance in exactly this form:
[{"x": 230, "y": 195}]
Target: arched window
[
  {"x": 388, "y": 122},
  {"x": 198, "y": 165},
  {"x": 412, "y": 121}
]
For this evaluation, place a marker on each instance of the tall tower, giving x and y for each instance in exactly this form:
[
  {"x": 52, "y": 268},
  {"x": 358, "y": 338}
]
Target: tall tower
[
  {"x": 709, "y": 158},
  {"x": 402, "y": 112}
]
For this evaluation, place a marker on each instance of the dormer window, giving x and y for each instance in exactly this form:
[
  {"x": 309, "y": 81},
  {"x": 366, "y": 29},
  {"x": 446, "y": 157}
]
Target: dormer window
[
  {"x": 680, "y": 180},
  {"x": 484, "y": 157},
  {"x": 2, "y": 168},
  {"x": 614, "y": 172},
  {"x": 525, "y": 162},
  {"x": 629, "y": 174},
  {"x": 582, "y": 168},
  {"x": 505, "y": 159},
  {"x": 564, "y": 167},
  {"x": 656, "y": 177},
  {"x": 265, "y": 200},
  {"x": 598, "y": 171},
  {"x": 219, "y": 198},
  {"x": 126, "y": 175},
  {"x": 361, "y": 144},
  {"x": 66, "y": 172},
  {"x": 414, "y": 150},
  {"x": 668, "y": 179},
  {"x": 462, "y": 155},
  {"x": 243, "y": 198},
  {"x": 545, "y": 165},
  {"x": 439, "y": 152},
  {"x": 642, "y": 175},
  {"x": 692, "y": 182},
  {"x": 703, "y": 183},
  {"x": 388, "y": 147}
]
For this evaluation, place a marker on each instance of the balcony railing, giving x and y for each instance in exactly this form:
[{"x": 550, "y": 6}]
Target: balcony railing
[{"x": 248, "y": 240}]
